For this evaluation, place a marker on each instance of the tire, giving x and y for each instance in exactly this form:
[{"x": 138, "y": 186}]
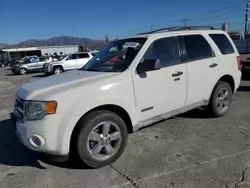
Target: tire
[
  {"x": 23, "y": 71},
  {"x": 87, "y": 150},
  {"x": 216, "y": 100},
  {"x": 57, "y": 70}
]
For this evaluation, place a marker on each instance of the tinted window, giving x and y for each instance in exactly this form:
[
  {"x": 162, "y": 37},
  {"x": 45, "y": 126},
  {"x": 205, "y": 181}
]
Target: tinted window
[
  {"x": 223, "y": 43},
  {"x": 74, "y": 56},
  {"x": 43, "y": 59},
  {"x": 166, "y": 50},
  {"x": 197, "y": 47},
  {"x": 83, "y": 55}
]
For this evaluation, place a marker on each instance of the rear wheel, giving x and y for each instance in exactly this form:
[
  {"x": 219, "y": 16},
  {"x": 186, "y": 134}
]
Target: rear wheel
[
  {"x": 220, "y": 100},
  {"x": 57, "y": 70},
  {"x": 23, "y": 71},
  {"x": 102, "y": 137}
]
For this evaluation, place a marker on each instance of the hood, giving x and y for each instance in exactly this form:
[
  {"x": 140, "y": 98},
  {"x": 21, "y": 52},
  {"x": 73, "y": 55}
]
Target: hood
[
  {"x": 60, "y": 83},
  {"x": 16, "y": 65}
]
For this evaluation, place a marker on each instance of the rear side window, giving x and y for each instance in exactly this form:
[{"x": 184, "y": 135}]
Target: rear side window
[
  {"x": 83, "y": 56},
  {"x": 223, "y": 43},
  {"x": 197, "y": 47}
]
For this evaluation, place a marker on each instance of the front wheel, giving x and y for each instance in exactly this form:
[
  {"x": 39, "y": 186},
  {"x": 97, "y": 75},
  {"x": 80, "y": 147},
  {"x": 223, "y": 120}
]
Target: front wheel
[
  {"x": 220, "y": 100},
  {"x": 23, "y": 71},
  {"x": 57, "y": 70},
  {"x": 102, "y": 137}
]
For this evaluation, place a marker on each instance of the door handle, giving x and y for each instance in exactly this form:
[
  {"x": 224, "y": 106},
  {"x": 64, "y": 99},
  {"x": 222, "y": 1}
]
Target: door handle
[
  {"x": 177, "y": 74},
  {"x": 213, "y": 65}
]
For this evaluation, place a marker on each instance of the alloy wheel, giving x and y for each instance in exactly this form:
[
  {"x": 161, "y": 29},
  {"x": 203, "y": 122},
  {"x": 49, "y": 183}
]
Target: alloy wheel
[
  {"x": 222, "y": 101},
  {"x": 23, "y": 71},
  {"x": 104, "y": 140}
]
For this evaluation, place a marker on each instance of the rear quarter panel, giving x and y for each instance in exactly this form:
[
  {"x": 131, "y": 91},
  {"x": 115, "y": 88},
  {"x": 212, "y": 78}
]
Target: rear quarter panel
[{"x": 227, "y": 63}]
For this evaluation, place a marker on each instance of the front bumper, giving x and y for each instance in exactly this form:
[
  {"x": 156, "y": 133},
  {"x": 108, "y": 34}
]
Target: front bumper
[{"x": 48, "y": 135}]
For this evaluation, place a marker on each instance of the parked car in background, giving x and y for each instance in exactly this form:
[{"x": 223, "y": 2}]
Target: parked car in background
[
  {"x": 69, "y": 62},
  {"x": 29, "y": 64},
  {"x": 94, "y": 52},
  {"x": 2, "y": 64},
  {"x": 246, "y": 65},
  {"x": 12, "y": 62},
  {"x": 53, "y": 60},
  {"x": 130, "y": 84}
]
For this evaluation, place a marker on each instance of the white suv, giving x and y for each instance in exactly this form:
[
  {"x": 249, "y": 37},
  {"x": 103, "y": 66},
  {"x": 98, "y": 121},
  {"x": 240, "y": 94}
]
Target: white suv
[
  {"x": 69, "y": 62},
  {"x": 129, "y": 84}
]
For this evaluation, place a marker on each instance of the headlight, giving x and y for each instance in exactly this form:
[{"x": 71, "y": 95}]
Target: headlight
[{"x": 36, "y": 110}]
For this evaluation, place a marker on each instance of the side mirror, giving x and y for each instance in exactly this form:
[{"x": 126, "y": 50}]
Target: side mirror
[{"x": 148, "y": 65}]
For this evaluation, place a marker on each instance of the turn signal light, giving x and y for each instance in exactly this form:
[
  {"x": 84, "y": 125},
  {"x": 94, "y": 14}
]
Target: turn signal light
[{"x": 51, "y": 107}]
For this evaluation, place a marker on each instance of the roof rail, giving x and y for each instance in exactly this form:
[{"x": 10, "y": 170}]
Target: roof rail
[{"x": 178, "y": 28}]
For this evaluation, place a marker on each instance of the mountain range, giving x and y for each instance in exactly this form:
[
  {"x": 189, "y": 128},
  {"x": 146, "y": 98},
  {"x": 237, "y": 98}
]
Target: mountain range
[{"x": 57, "y": 41}]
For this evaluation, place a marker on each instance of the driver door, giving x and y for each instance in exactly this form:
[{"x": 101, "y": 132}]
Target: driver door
[
  {"x": 71, "y": 62},
  {"x": 164, "y": 90}
]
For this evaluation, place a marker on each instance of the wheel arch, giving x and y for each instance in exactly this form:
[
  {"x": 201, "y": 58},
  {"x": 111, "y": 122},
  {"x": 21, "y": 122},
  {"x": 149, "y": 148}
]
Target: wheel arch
[
  {"x": 109, "y": 107},
  {"x": 225, "y": 78},
  {"x": 230, "y": 80},
  {"x": 57, "y": 65},
  {"x": 23, "y": 67}
]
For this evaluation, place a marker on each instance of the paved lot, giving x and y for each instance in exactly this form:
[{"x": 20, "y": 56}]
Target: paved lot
[{"x": 190, "y": 150}]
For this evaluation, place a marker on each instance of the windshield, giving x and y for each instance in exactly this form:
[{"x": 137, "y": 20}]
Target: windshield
[
  {"x": 116, "y": 56},
  {"x": 23, "y": 60}
]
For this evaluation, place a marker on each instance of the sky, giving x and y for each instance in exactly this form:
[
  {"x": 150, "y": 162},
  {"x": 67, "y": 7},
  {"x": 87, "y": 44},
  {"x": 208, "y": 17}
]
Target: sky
[{"x": 41, "y": 19}]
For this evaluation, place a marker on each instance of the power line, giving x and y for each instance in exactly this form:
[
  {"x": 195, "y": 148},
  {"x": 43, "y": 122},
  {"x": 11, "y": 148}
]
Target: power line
[
  {"x": 205, "y": 14},
  {"x": 221, "y": 9},
  {"x": 216, "y": 15}
]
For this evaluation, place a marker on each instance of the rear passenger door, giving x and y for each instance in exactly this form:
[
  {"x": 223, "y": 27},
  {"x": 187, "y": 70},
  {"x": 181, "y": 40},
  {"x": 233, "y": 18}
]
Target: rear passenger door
[
  {"x": 83, "y": 59},
  {"x": 202, "y": 68}
]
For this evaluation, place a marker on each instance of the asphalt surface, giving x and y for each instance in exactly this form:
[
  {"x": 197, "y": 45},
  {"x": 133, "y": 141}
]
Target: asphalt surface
[{"x": 190, "y": 150}]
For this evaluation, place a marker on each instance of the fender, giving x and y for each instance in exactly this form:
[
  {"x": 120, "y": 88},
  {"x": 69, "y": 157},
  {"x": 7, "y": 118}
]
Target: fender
[{"x": 80, "y": 112}]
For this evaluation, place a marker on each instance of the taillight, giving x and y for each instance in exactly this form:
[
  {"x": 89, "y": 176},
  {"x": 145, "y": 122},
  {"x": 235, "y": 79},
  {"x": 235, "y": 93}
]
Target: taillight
[{"x": 239, "y": 63}]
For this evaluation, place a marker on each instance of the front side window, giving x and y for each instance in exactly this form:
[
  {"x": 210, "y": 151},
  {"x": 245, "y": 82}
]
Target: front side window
[
  {"x": 166, "y": 50},
  {"x": 223, "y": 43},
  {"x": 116, "y": 56},
  {"x": 75, "y": 56},
  {"x": 197, "y": 47}
]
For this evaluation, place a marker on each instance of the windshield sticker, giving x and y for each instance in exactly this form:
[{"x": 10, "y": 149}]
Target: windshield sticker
[{"x": 131, "y": 44}]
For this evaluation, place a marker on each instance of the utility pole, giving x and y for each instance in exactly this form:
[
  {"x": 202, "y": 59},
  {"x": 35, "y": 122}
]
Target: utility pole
[
  {"x": 184, "y": 21},
  {"x": 106, "y": 39},
  {"x": 225, "y": 26},
  {"x": 246, "y": 20},
  {"x": 72, "y": 35}
]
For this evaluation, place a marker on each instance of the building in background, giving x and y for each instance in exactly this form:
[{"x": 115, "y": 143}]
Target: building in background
[{"x": 18, "y": 53}]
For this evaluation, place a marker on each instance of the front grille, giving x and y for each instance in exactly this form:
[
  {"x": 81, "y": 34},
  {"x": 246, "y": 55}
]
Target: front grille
[{"x": 19, "y": 108}]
